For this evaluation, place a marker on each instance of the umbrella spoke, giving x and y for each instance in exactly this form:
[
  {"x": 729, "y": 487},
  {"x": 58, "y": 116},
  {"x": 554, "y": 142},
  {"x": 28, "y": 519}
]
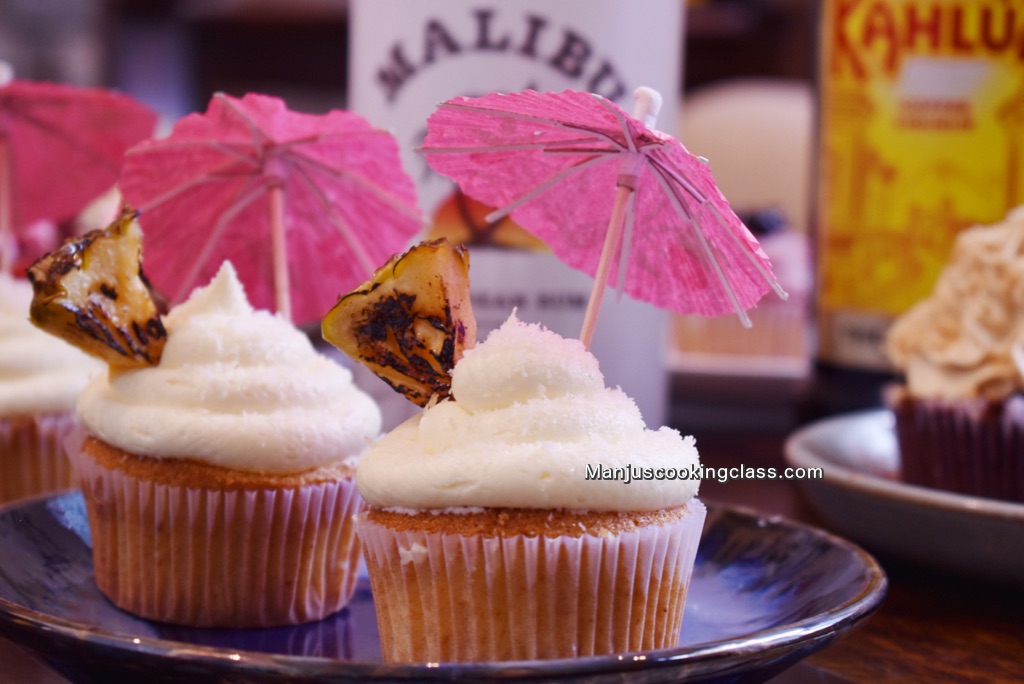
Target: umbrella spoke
[
  {"x": 259, "y": 136},
  {"x": 707, "y": 203},
  {"x": 516, "y": 147},
  {"x": 709, "y": 256},
  {"x": 544, "y": 187},
  {"x": 672, "y": 173},
  {"x": 174, "y": 145},
  {"x": 214, "y": 176},
  {"x": 745, "y": 249},
  {"x": 242, "y": 199},
  {"x": 339, "y": 224},
  {"x": 395, "y": 203},
  {"x": 554, "y": 123},
  {"x": 568, "y": 152},
  {"x": 623, "y": 124}
]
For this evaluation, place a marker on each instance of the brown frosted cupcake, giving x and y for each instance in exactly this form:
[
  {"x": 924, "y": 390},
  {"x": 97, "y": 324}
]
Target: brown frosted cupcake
[
  {"x": 219, "y": 482},
  {"x": 532, "y": 517},
  {"x": 40, "y": 377},
  {"x": 960, "y": 413}
]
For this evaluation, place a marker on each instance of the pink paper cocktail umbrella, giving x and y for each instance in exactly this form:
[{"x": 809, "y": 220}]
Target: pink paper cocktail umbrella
[
  {"x": 305, "y": 206},
  {"x": 61, "y": 147},
  {"x": 610, "y": 196}
]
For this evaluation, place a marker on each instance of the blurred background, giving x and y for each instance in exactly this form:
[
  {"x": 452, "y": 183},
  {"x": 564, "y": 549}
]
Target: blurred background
[
  {"x": 173, "y": 54},
  {"x": 745, "y": 102}
]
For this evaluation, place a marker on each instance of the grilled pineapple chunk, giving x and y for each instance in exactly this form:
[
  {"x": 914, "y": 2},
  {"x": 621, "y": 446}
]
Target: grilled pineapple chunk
[
  {"x": 411, "y": 322},
  {"x": 91, "y": 293}
]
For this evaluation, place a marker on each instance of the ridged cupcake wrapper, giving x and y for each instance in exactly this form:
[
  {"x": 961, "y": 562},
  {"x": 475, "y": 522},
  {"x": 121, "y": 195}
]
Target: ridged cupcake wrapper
[
  {"x": 32, "y": 459},
  {"x": 444, "y": 597},
  {"x": 213, "y": 558},
  {"x": 970, "y": 447}
]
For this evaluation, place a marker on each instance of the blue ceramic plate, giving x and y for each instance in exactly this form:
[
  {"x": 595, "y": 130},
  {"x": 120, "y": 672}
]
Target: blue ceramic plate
[
  {"x": 765, "y": 593},
  {"x": 860, "y": 495}
]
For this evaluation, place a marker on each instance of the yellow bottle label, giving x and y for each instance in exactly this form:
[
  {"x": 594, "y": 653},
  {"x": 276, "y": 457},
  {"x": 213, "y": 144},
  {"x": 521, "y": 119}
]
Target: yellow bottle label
[{"x": 921, "y": 135}]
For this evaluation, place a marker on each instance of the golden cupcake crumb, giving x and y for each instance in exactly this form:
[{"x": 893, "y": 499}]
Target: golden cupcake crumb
[{"x": 508, "y": 522}]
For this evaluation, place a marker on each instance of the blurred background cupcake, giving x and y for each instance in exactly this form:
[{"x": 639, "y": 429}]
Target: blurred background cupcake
[
  {"x": 960, "y": 412},
  {"x": 60, "y": 149},
  {"x": 40, "y": 377}
]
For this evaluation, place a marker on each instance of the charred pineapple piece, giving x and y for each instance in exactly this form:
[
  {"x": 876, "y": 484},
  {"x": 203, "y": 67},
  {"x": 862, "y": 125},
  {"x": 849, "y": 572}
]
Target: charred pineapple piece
[
  {"x": 91, "y": 293},
  {"x": 411, "y": 322}
]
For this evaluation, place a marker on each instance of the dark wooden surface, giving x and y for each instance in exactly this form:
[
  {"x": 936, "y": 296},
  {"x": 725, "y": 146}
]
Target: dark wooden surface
[{"x": 931, "y": 628}]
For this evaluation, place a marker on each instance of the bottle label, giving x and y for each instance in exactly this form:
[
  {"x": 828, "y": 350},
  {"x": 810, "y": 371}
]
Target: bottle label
[
  {"x": 921, "y": 135},
  {"x": 407, "y": 57}
]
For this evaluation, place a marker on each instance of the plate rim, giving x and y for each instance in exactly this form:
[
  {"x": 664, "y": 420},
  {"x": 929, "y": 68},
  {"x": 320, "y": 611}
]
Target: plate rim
[
  {"x": 798, "y": 451},
  {"x": 811, "y": 629}
]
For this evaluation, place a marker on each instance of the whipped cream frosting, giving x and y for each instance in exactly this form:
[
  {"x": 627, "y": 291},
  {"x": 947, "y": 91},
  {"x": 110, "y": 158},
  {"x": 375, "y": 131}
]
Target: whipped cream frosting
[
  {"x": 39, "y": 373},
  {"x": 957, "y": 343},
  {"x": 531, "y": 416},
  {"x": 235, "y": 387}
]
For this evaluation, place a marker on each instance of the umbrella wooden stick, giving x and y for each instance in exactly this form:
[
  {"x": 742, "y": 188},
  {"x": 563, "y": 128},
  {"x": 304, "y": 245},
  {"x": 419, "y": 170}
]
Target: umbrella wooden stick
[
  {"x": 611, "y": 241},
  {"x": 6, "y": 185},
  {"x": 6, "y": 233},
  {"x": 646, "y": 104},
  {"x": 277, "y": 238}
]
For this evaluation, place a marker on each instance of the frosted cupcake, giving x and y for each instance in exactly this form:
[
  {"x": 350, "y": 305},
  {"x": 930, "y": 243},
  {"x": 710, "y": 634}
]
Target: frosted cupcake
[
  {"x": 500, "y": 526},
  {"x": 960, "y": 413},
  {"x": 219, "y": 483},
  {"x": 40, "y": 378}
]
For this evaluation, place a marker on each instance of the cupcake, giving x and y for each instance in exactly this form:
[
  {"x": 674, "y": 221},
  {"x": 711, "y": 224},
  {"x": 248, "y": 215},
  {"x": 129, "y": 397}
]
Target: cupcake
[
  {"x": 531, "y": 516},
  {"x": 40, "y": 377},
  {"x": 960, "y": 411},
  {"x": 219, "y": 482}
]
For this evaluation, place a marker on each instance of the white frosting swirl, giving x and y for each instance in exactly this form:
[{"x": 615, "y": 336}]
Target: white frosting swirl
[
  {"x": 531, "y": 416},
  {"x": 39, "y": 373},
  {"x": 235, "y": 387}
]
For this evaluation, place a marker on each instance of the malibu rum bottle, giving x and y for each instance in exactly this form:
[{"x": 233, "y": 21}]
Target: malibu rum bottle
[{"x": 409, "y": 55}]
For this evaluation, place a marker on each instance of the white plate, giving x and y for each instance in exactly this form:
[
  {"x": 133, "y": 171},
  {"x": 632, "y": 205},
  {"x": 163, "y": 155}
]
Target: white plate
[{"x": 862, "y": 499}]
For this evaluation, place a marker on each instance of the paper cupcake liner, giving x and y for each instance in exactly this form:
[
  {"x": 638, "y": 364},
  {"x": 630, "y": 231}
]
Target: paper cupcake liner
[
  {"x": 971, "y": 447},
  {"x": 444, "y": 597},
  {"x": 32, "y": 459},
  {"x": 214, "y": 558}
]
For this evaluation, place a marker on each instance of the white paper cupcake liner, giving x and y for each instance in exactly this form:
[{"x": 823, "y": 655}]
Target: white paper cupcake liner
[
  {"x": 32, "y": 459},
  {"x": 444, "y": 597},
  {"x": 215, "y": 558}
]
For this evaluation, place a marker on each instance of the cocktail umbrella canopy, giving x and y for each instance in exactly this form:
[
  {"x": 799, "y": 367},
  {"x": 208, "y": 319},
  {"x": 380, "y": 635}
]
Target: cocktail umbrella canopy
[
  {"x": 61, "y": 147},
  {"x": 609, "y": 194},
  {"x": 305, "y": 206}
]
